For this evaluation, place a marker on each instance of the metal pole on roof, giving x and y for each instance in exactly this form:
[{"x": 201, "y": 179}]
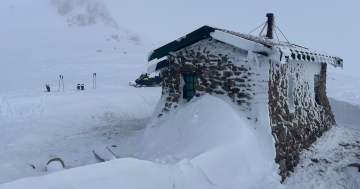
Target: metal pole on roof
[{"x": 270, "y": 23}]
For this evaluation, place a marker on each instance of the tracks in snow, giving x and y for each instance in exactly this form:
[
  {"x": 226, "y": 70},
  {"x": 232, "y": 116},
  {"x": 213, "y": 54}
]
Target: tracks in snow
[{"x": 20, "y": 108}]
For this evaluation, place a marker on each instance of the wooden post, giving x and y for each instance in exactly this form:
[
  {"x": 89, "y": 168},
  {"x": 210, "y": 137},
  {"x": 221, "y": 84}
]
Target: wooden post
[{"x": 270, "y": 22}]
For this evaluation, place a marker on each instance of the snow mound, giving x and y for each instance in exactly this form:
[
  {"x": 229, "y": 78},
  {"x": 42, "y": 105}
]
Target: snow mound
[
  {"x": 104, "y": 153},
  {"x": 203, "y": 144},
  {"x": 210, "y": 133}
]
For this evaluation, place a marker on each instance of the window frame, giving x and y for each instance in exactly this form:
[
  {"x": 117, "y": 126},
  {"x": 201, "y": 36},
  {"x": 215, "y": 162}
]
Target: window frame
[{"x": 189, "y": 88}]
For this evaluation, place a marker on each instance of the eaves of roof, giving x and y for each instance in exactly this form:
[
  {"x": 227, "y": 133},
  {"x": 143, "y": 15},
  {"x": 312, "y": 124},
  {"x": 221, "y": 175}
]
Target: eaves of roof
[
  {"x": 206, "y": 31},
  {"x": 189, "y": 39}
]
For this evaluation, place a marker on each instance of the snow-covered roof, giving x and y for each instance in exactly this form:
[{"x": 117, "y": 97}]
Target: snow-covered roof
[
  {"x": 291, "y": 51},
  {"x": 283, "y": 51}
]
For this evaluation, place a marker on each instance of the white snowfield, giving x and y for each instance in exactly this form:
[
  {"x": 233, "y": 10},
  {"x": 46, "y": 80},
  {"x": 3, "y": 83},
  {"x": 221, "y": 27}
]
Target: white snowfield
[
  {"x": 206, "y": 143},
  {"x": 194, "y": 149}
]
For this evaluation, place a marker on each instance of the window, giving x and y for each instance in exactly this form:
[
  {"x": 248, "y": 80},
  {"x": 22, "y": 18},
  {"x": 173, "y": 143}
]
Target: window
[
  {"x": 190, "y": 86},
  {"x": 290, "y": 94},
  {"x": 316, "y": 88}
]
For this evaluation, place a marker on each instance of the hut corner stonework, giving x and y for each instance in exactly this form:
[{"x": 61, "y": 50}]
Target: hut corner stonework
[
  {"x": 312, "y": 116},
  {"x": 295, "y": 91}
]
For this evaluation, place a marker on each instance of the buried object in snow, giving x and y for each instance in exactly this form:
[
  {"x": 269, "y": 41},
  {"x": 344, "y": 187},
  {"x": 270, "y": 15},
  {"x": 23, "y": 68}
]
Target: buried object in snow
[
  {"x": 104, "y": 153},
  {"x": 55, "y": 164}
]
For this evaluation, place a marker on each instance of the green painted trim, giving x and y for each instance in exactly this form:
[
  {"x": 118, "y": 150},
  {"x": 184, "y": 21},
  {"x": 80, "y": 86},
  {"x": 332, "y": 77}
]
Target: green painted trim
[
  {"x": 262, "y": 53},
  {"x": 191, "y": 38}
]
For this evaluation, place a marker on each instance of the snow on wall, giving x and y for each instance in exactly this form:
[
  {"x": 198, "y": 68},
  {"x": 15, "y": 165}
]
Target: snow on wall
[
  {"x": 228, "y": 73},
  {"x": 209, "y": 133},
  {"x": 296, "y": 128},
  {"x": 257, "y": 88}
]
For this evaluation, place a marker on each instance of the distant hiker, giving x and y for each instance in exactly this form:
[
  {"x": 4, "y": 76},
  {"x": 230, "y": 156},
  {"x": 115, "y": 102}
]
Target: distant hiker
[{"x": 47, "y": 88}]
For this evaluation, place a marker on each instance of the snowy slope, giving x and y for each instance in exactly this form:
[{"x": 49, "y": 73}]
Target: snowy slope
[
  {"x": 37, "y": 126},
  {"x": 344, "y": 88},
  {"x": 325, "y": 164},
  {"x": 211, "y": 164},
  {"x": 206, "y": 144}
]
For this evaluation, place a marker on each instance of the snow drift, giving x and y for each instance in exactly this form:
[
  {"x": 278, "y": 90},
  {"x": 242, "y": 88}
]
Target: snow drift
[{"x": 204, "y": 144}]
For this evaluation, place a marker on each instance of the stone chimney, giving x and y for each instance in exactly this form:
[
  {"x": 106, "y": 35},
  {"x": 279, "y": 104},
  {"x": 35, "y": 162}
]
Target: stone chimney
[{"x": 270, "y": 23}]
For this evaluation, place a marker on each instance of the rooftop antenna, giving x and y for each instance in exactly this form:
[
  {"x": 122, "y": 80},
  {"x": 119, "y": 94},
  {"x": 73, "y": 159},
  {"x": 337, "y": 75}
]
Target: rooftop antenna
[{"x": 271, "y": 28}]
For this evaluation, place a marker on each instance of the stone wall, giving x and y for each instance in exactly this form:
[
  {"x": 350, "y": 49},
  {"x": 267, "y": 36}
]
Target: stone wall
[
  {"x": 298, "y": 129},
  {"x": 221, "y": 69}
]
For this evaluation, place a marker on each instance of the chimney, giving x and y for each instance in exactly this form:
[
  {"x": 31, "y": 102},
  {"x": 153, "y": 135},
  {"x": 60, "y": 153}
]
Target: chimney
[{"x": 270, "y": 23}]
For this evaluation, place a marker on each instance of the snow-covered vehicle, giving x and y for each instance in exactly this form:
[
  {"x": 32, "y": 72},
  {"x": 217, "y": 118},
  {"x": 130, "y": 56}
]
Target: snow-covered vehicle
[{"x": 145, "y": 80}]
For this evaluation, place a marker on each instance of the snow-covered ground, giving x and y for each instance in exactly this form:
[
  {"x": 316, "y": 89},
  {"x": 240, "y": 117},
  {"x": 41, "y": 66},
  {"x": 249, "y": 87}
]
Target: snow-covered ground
[
  {"x": 199, "y": 146},
  {"x": 325, "y": 164},
  {"x": 37, "y": 126}
]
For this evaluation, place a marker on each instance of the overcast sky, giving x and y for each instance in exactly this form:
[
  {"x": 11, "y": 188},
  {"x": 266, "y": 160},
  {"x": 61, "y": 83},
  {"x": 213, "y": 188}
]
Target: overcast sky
[{"x": 324, "y": 25}]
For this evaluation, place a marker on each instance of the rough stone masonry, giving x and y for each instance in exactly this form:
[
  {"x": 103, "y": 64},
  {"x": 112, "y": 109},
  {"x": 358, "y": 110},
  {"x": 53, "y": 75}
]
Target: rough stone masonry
[
  {"x": 298, "y": 116},
  {"x": 297, "y": 130}
]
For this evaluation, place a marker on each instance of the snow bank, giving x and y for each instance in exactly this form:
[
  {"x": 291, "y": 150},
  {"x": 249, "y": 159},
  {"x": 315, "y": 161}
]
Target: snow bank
[
  {"x": 210, "y": 132},
  {"x": 121, "y": 173},
  {"x": 204, "y": 144}
]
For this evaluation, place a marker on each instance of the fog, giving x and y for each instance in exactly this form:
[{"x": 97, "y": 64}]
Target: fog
[{"x": 326, "y": 26}]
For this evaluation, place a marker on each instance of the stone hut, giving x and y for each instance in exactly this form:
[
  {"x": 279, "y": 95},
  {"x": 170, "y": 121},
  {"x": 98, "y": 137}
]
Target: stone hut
[{"x": 248, "y": 69}]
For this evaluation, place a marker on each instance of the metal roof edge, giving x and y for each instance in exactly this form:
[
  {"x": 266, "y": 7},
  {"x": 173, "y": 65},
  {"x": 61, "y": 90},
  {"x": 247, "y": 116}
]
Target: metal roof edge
[{"x": 189, "y": 39}]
